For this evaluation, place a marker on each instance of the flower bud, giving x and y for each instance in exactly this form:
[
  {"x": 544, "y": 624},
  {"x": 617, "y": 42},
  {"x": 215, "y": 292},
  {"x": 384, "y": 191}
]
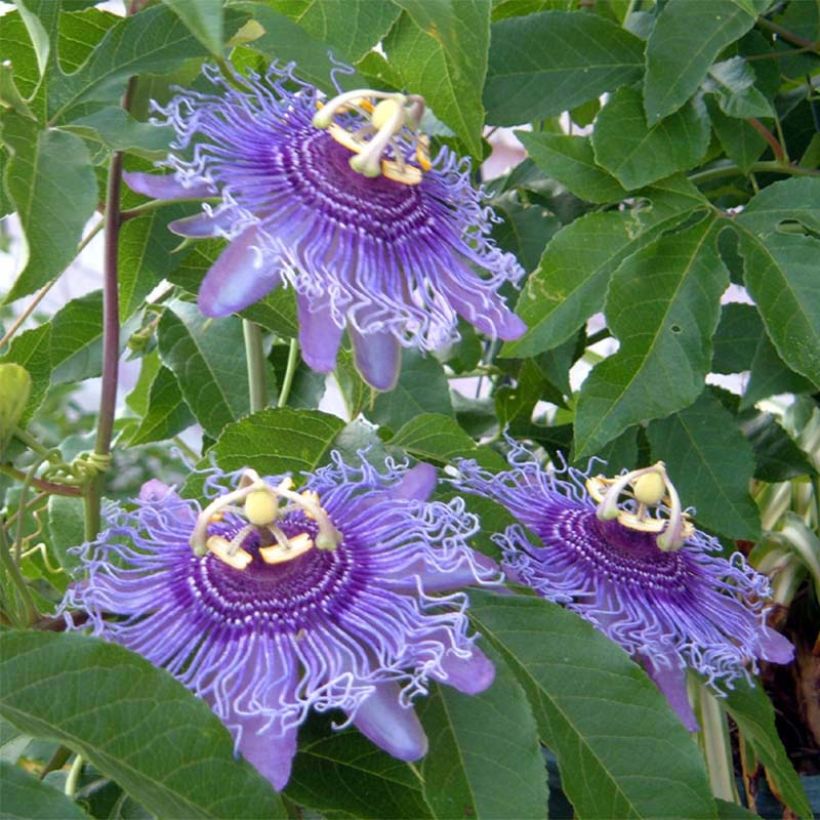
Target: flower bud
[{"x": 15, "y": 388}]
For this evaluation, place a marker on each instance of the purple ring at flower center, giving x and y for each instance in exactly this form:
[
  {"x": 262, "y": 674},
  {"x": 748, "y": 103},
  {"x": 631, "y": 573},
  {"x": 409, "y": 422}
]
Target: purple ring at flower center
[
  {"x": 318, "y": 172},
  {"x": 611, "y": 549},
  {"x": 283, "y": 597}
]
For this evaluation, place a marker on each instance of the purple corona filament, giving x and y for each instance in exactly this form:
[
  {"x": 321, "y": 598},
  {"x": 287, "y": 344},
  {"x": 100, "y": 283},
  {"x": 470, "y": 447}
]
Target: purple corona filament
[
  {"x": 362, "y": 624},
  {"x": 396, "y": 263},
  {"x": 668, "y": 608}
]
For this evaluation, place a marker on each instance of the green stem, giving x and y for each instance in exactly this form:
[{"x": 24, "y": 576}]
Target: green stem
[
  {"x": 730, "y": 169},
  {"x": 44, "y": 486},
  {"x": 717, "y": 747},
  {"x": 787, "y": 35},
  {"x": 255, "y": 356},
  {"x": 30, "y": 614},
  {"x": 21, "y": 506},
  {"x": 290, "y": 372},
  {"x": 111, "y": 333},
  {"x": 155, "y": 204},
  {"x": 31, "y": 442}
]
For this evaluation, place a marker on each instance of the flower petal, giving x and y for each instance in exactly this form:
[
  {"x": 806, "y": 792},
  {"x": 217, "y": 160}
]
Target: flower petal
[
  {"x": 270, "y": 753},
  {"x": 775, "y": 648},
  {"x": 469, "y": 675},
  {"x": 165, "y": 187},
  {"x": 202, "y": 225},
  {"x": 418, "y": 483},
  {"x": 487, "y": 312},
  {"x": 319, "y": 335},
  {"x": 672, "y": 683},
  {"x": 238, "y": 278},
  {"x": 439, "y": 580},
  {"x": 393, "y": 727},
  {"x": 377, "y": 356}
]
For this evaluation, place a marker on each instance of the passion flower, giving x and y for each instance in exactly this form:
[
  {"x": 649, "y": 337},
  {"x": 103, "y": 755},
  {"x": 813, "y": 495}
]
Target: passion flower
[
  {"x": 636, "y": 568},
  {"x": 340, "y": 199},
  {"x": 268, "y": 602}
]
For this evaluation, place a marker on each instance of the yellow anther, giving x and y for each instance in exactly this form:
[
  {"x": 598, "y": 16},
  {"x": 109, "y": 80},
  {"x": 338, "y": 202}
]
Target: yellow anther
[
  {"x": 221, "y": 548},
  {"x": 261, "y": 508},
  {"x": 217, "y": 517},
  {"x": 423, "y": 153},
  {"x": 649, "y": 488},
  {"x": 276, "y": 554}
]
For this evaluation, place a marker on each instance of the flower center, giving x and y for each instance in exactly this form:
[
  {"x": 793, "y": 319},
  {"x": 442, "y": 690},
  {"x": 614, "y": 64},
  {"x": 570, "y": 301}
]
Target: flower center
[
  {"x": 260, "y": 504},
  {"x": 650, "y": 487},
  {"x": 284, "y": 596},
  {"x": 375, "y": 133},
  {"x": 623, "y": 554}
]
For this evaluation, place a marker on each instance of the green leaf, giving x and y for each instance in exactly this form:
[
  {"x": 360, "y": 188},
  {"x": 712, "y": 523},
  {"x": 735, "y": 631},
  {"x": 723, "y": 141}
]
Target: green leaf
[
  {"x": 570, "y": 282},
  {"x": 614, "y": 734},
  {"x": 777, "y": 457},
  {"x": 791, "y": 200},
  {"x": 76, "y": 339},
  {"x": 741, "y": 142},
  {"x": 119, "y": 131},
  {"x": 207, "y": 357},
  {"x": 637, "y": 154},
  {"x": 134, "y": 722},
  {"x": 147, "y": 254},
  {"x": 66, "y": 529},
  {"x": 204, "y": 19},
  {"x": 781, "y": 275},
  {"x": 571, "y": 161},
  {"x": 351, "y": 28},
  {"x": 736, "y": 338},
  {"x": 277, "y": 441},
  {"x": 484, "y": 760},
  {"x": 769, "y": 375},
  {"x": 711, "y": 464},
  {"x": 285, "y": 40},
  {"x": 525, "y": 230},
  {"x": 434, "y": 437},
  {"x": 51, "y": 182},
  {"x": 167, "y": 413},
  {"x": 343, "y": 775},
  {"x": 40, "y": 18},
  {"x": 753, "y": 713},
  {"x": 440, "y": 51},
  {"x": 543, "y": 64},
  {"x": 686, "y": 39},
  {"x": 733, "y": 84},
  {"x": 26, "y": 796},
  {"x": 663, "y": 305},
  {"x": 727, "y": 810},
  {"x": 153, "y": 41},
  {"x": 422, "y": 388}
]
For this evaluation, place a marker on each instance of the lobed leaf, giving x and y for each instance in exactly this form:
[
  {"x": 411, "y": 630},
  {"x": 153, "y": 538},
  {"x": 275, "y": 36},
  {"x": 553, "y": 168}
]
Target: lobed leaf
[{"x": 133, "y": 721}]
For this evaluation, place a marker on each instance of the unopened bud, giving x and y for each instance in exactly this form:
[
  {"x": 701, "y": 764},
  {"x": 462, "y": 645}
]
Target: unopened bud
[{"x": 15, "y": 388}]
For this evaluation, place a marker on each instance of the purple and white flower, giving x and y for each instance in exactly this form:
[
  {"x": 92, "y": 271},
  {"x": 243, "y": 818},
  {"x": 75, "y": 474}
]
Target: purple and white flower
[
  {"x": 650, "y": 581},
  {"x": 270, "y": 602},
  {"x": 382, "y": 241}
]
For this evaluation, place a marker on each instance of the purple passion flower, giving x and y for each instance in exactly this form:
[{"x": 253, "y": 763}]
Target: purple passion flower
[
  {"x": 650, "y": 582},
  {"x": 340, "y": 200},
  {"x": 269, "y": 601}
]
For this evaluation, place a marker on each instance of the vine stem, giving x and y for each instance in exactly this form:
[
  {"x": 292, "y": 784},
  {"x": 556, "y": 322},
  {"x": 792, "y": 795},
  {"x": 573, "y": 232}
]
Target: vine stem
[
  {"x": 787, "y": 35},
  {"x": 255, "y": 357},
  {"x": 111, "y": 334},
  {"x": 21, "y": 506},
  {"x": 730, "y": 169},
  {"x": 17, "y": 579},
  {"x": 49, "y": 487},
  {"x": 290, "y": 372}
]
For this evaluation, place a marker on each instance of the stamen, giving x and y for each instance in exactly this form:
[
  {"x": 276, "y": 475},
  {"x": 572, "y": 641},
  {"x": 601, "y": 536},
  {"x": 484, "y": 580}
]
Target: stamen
[
  {"x": 261, "y": 508},
  {"x": 393, "y": 115},
  {"x": 296, "y": 546},
  {"x": 221, "y": 548},
  {"x": 650, "y": 487}
]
